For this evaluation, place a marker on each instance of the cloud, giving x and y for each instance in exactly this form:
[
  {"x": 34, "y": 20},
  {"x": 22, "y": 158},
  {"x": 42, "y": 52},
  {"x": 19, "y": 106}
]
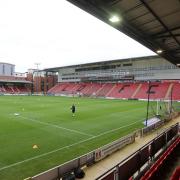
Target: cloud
[{"x": 56, "y": 33}]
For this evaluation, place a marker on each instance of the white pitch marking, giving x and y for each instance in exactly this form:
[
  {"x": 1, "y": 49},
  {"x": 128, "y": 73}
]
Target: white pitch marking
[
  {"x": 59, "y": 149},
  {"x": 56, "y": 126}
]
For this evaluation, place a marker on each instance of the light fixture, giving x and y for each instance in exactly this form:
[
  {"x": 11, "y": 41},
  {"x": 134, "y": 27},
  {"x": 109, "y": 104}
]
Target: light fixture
[
  {"x": 159, "y": 51},
  {"x": 114, "y": 19}
]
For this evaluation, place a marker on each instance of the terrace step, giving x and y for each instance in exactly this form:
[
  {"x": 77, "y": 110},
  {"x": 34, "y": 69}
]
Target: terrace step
[
  {"x": 136, "y": 91},
  {"x": 169, "y": 91},
  {"x": 111, "y": 90}
]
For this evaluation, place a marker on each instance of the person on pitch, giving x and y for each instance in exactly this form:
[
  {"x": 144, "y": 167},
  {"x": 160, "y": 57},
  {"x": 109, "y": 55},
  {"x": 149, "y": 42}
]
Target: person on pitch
[{"x": 73, "y": 109}]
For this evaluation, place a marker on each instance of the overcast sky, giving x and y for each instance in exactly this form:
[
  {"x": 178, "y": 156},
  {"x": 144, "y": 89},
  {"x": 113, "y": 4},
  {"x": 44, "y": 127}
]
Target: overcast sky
[{"x": 57, "y": 33}]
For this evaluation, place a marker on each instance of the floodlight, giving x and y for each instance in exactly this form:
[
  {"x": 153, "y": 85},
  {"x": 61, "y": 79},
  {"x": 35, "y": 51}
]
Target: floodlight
[
  {"x": 114, "y": 19},
  {"x": 159, "y": 51}
]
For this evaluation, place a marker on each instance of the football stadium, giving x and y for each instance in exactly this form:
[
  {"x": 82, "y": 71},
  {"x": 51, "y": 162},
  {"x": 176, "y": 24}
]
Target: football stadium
[{"x": 111, "y": 120}]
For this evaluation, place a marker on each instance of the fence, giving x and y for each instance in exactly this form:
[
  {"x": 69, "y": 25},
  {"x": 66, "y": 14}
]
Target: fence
[
  {"x": 148, "y": 129},
  {"x": 137, "y": 162},
  {"x": 158, "y": 124},
  {"x": 85, "y": 160}
]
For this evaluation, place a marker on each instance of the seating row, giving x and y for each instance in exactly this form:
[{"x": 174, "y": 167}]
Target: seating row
[{"x": 137, "y": 90}]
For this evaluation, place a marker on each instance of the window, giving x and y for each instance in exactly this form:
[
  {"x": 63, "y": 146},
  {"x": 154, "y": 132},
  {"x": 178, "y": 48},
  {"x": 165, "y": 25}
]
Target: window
[{"x": 129, "y": 64}]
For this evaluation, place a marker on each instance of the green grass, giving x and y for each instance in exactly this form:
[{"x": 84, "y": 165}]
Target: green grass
[{"x": 48, "y": 123}]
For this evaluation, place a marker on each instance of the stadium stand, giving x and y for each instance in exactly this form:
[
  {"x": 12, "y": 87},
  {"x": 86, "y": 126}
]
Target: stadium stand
[
  {"x": 15, "y": 89},
  {"x": 68, "y": 89},
  {"x": 130, "y": 90},
  {"x": 14, "y": 84},
  {"x": 23, "y": 89},
  {"x": 77, "y": 87},
  {"x": 93, "y": 89},
  {"x": 155, "y": 171},
  {"x": 158, "y": 90},
  {"x": 121, "y": 78},
  {"x": 176, "y": 91},
  {"x": 142, "y": 93},
  {"x": 57, "y": 88},
  {"x": 176, "y": 174},
  {"x": 105, "y": 89},
  {"x": 115, "y": 92},
  {"x": 86, "y": 87},
  {"x": 81, "y": 87}
]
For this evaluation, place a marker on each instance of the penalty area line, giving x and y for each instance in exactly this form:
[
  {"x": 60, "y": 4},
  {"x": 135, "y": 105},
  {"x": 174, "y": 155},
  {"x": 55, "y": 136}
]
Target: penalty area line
[
  {"x": 56, "y": 126},
  {"x": 68, "y": 146}
]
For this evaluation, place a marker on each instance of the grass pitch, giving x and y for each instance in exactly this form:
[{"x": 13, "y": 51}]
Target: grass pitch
[{"x": 38, "y": 133}]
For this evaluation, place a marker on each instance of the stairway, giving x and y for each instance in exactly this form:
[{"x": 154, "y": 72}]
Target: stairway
[
  {"x": 100, "y": 89},
  {"x": 169, "y": 91},
  {"x": 111, "y": 90},
  {"x": 136, "y": 91}
]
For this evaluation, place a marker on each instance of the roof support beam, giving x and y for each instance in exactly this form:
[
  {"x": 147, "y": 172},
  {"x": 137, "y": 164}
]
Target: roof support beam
[
  {"x": 163, "y": 32},
  {"x": 161, "y": 22},
  {"x": 174, "y": 50},
  {"x": 166, "y": 36}
]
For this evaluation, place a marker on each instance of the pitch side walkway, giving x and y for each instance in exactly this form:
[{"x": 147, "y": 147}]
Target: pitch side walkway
[{"x": 102, "y": 166}]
